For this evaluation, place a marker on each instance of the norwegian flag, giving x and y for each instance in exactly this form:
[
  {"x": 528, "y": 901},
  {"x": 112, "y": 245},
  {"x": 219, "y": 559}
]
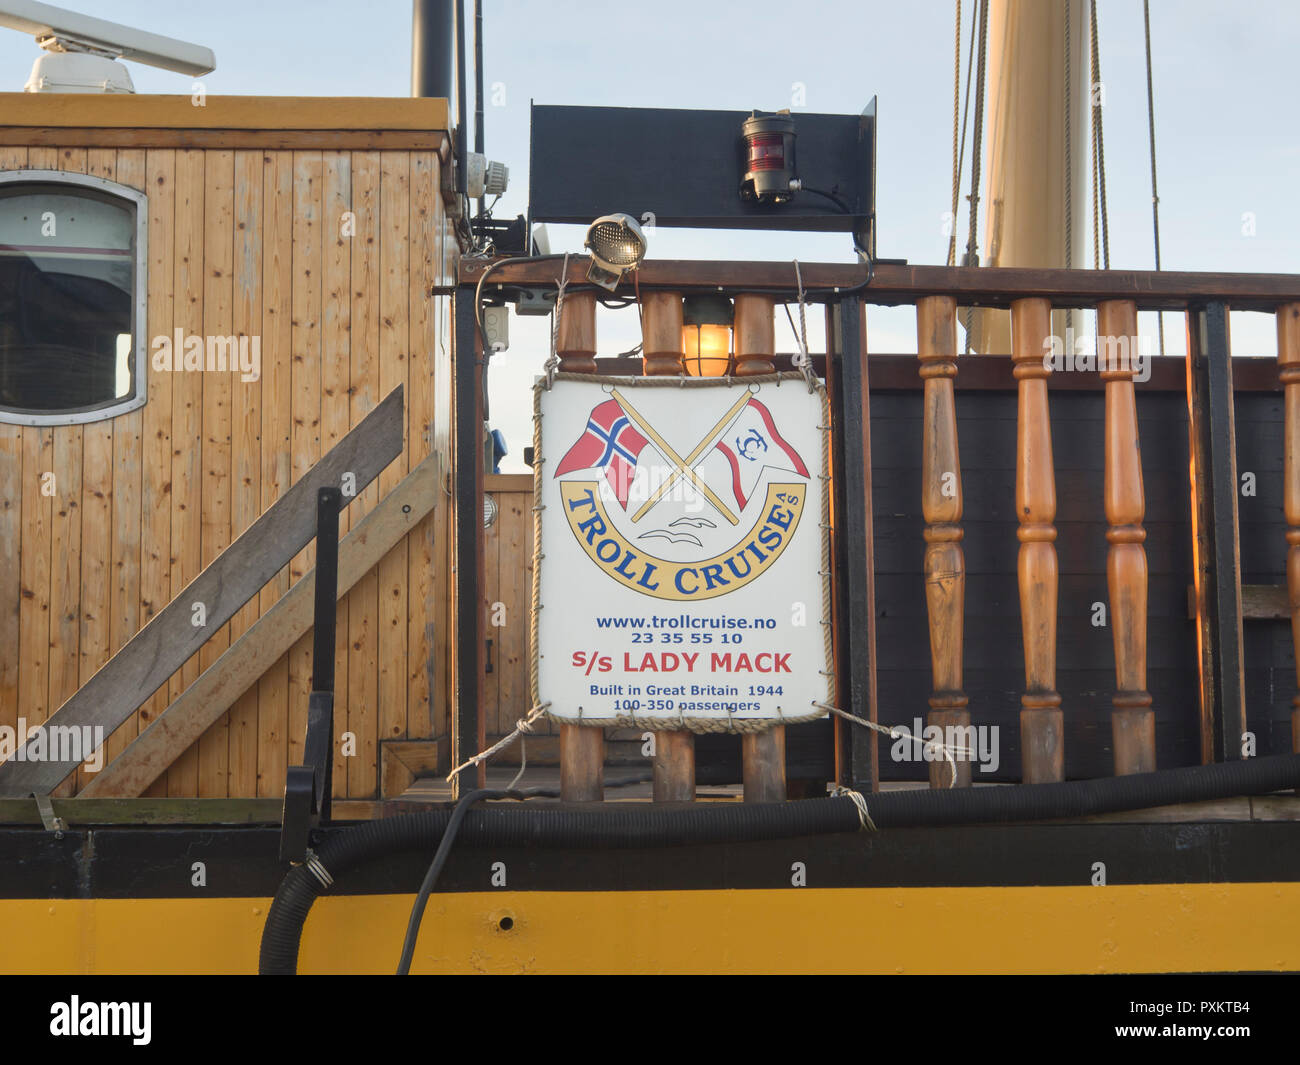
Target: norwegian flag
[
  {"x": 610, "y": 442},
  {"x": 750, "y": 445}
]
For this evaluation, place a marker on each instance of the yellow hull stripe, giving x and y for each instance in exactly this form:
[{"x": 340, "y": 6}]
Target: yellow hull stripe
[{"x": 1146, "y": 928}]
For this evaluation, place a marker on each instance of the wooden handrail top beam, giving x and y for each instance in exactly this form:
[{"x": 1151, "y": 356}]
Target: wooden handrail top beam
[
  {"x": 85, "y": 111},
  {"x": 895, "y": 284}
]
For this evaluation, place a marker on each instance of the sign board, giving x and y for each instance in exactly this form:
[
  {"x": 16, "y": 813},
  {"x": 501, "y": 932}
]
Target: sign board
[{"x": 681, "y": 568}]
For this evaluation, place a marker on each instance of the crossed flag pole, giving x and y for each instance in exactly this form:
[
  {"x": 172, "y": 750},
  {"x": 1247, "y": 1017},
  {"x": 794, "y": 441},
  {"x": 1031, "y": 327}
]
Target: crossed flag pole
[{"x": 684, "y": 468}]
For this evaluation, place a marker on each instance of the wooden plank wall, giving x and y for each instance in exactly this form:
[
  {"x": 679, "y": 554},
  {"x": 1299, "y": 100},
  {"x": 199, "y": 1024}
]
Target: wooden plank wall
[
  {"x": 330, "y": 257},
  {"x": 508, "y": 593}
]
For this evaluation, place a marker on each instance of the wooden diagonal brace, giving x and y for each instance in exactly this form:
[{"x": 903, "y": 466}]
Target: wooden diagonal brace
[
  {"x": 166, "y": 643},
  {"x": 262, "y": 644}
]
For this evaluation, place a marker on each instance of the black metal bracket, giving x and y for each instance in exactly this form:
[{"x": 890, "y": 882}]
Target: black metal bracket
[
  {"x": 308, "y": 787},
  {"x": 51, "y": 822}
]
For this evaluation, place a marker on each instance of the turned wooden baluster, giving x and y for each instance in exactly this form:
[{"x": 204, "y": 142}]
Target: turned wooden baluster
[
  {"x": 1288, "y": 359},
  {"x": 945, "y": 563},
  {"x": 661, "y": 324},
  {"x": 1041, "y": 740},
  {"x": 1132, "y": 722},
  {"x": 762, "y": 753},
  {"x": 582, "y": 749},
  {"x": 661, "y": 334},
  {"x": 755, "y": 330}
]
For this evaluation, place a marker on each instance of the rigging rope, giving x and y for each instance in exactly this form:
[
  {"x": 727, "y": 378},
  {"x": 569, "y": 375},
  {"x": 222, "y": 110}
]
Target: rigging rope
[
  {"x": 1101, "y": 261},
  {"x": 1069, "y": 159},
  {"x": 553, "y": 360},
  {"x": 965, "y": 114},
  {"x": 972, "y": 254},
  {"x": 1151, "y": 127},
  {"x": 956, "y": 121},
  {"x": 802, "y": 360}
]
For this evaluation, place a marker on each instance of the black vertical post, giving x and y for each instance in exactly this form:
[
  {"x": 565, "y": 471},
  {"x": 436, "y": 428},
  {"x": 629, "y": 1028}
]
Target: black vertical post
[
  {"x": 319, "y": 749},
  {"x": 839, "y": 557},
  {"x": 1216, "y": 549},
  {"x": 855, "y": 572},
  {"x": 468, "y": 489},
  {"x": 329, "y": 502}
]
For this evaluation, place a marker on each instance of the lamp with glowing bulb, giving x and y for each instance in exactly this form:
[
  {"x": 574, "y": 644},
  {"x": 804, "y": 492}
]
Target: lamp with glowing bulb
[
  {"x": 706, "y": 335},
  {"x": 617, "y": 246}
]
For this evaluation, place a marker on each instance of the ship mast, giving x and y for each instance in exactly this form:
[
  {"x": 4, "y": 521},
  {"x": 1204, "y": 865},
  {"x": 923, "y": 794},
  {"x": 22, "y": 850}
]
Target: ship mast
[{"x": 1034, "y": 197}]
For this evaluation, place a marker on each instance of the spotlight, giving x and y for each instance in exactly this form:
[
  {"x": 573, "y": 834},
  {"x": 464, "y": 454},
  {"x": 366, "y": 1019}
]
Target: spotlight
[
  {"x": 617, "y": 245},
  {"x": 769, "y": 158},
  {"x": 706, "y": 335}
]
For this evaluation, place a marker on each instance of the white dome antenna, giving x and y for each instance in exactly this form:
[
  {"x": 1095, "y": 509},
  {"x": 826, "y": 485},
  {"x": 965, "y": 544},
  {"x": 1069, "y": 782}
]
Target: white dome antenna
[{"x": 81, "y": 51}]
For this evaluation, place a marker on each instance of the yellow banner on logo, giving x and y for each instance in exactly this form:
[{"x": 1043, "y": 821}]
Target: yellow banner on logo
[{"x": 635, "y": 568}]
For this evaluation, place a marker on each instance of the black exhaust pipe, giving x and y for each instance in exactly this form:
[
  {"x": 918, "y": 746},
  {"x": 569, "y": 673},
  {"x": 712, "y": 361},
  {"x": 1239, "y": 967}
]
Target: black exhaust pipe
[
  {"x": 478, "y": 86},
  {"x": 433, "y": 26}
]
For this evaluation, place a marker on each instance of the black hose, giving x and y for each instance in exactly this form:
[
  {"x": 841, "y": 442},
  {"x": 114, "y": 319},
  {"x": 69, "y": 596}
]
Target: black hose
[
  {"x": 625, "y": 826},
  {"x": 435, "y": 869},
  {"x": 449, "y": 837}
]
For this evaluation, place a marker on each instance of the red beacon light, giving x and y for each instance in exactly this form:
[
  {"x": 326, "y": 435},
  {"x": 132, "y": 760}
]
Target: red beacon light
[{"x": 769, "y": 158}]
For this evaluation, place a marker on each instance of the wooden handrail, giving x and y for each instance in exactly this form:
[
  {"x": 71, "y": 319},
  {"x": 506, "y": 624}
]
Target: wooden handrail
[{"x": 893, "y": 284}]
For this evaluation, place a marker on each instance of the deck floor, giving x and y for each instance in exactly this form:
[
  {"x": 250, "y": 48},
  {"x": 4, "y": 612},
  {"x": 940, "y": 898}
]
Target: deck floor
[{"x": 436, "y": 789}]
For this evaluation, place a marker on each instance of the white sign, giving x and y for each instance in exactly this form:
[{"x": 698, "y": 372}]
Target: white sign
[{"x": 680, "y": 559}]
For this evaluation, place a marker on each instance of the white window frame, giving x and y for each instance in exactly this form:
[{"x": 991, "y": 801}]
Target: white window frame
[{"x": 102, "y": 412}]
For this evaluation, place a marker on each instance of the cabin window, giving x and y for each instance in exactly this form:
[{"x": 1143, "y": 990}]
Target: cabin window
[{"x": 72, "y": 298}]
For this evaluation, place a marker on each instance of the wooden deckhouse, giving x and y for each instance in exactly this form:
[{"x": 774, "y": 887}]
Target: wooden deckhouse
[{"x": 319, "y": 229}]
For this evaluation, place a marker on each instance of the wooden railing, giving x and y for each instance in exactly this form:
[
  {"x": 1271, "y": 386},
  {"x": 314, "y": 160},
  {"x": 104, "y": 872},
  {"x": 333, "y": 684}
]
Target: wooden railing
[
  {"x": 1031, "y": 295},
  {"x": 1288, "y": 360}
]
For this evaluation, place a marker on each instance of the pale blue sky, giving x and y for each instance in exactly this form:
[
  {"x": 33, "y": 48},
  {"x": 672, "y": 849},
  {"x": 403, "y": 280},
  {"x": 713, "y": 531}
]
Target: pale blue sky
[{"x": 1225, "y": 109}]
